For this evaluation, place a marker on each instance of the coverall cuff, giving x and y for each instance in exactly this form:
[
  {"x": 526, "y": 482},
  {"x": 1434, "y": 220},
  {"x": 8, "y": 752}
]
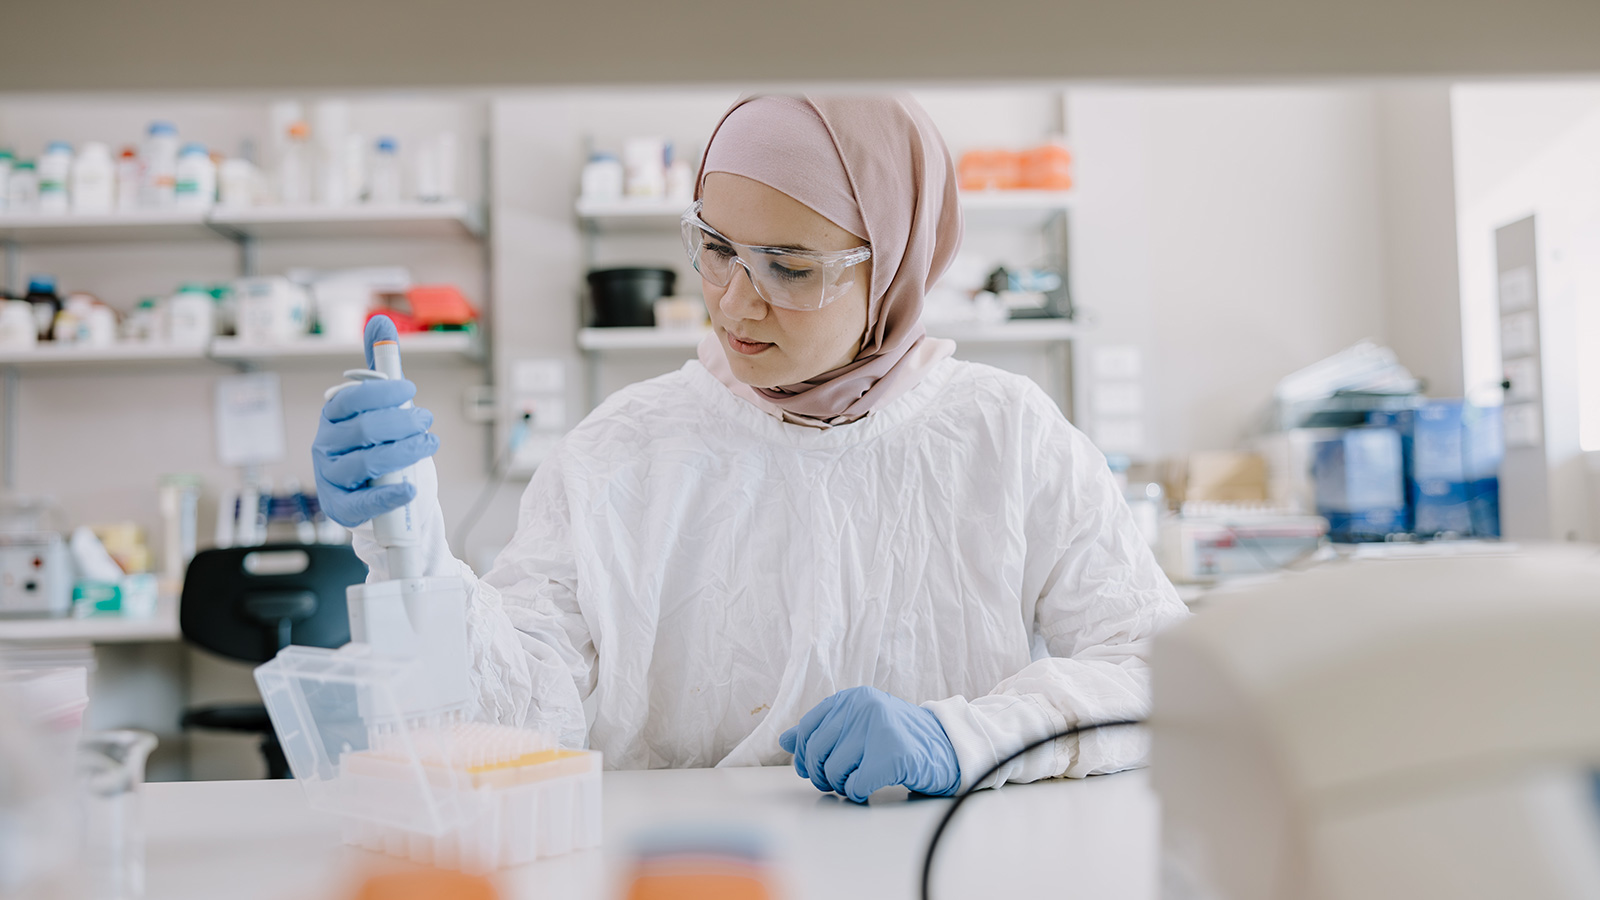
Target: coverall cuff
[{"x": 979, "y": 731}]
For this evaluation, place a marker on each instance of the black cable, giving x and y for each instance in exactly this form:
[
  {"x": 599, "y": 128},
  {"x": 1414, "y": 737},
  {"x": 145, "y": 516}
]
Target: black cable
[{"x": 933, "y": 842}]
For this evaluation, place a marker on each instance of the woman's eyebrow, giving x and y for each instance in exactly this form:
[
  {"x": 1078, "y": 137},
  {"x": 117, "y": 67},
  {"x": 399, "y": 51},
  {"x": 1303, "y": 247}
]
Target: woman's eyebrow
[{"x": 717, "y": 232}]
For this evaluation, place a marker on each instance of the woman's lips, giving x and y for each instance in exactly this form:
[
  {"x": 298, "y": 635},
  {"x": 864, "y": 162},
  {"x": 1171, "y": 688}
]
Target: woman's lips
[{"x": 748, "y": 348}]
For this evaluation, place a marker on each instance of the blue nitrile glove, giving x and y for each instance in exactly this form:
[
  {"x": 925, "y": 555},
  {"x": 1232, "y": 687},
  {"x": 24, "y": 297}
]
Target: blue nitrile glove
[
  {"x": 364, "y": 434},
  {"x": 862, "y": 739}
]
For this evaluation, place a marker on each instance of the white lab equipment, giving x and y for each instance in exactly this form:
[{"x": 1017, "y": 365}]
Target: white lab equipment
[
  {"x": 55, "y": 171},
  {"x": 7, "y": 160},
  {"x": 384, "y": 176},
  {"x": 644, "y": 160},
  {"x": 18, "y": 331},
  {"x": 22, "y": 188},
  {"x": 294, "y": 166},
  {"x": 412, "y": 776},
  {"x": 35, "y": 574},
  {"x": 160, "y": 159},
  {"x": 271, "y": 310},
  {"x": 190, "y": 317},
  {"x": 602, "y": 179},
  {"x": 180, "y": 503},
  {"x": 93, "y": 179},
  {"x": 436, "y": 168},
  {"x": 1386, "y": 728},
  {"x": 236, "y": 182},
  {"x": 196, "y": 185},
  {"x": 130, "y": 178}
]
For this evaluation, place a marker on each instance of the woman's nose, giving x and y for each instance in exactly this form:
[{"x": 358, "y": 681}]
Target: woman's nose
[{"x": 740, "y": 300}]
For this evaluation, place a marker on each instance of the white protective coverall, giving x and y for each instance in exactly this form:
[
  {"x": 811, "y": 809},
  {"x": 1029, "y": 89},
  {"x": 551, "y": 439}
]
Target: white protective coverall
[{"x": 704, "y": 574}]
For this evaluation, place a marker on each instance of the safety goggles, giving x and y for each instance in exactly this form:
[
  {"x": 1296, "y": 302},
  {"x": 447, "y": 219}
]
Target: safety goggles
[{"x": 792, "y": 279}]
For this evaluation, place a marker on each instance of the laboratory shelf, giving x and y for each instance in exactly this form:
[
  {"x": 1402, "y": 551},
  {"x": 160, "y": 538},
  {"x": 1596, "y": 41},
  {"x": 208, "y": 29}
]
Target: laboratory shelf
[
  {"x": 992, "y": 208},
  {"x": 405, "y": 220},
  {"x": 163, "y": 626},
  {"x": 1029, "y": 209},
  {"x": 67, "y": 356},
  {"x": 138, "y": 225},
  {"x": 637, "y": 339},
  {"x": 630, "y": 215},
  {"x": 413, "y": 347},
  {"x": 1015, "y": 332}
]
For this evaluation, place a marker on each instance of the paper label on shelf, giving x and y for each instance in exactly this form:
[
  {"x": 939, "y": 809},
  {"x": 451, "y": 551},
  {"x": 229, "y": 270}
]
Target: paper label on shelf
[
  {"x": 1516, "y": 289},
  {"x": 1117, "y": 363},
  {"x": 1524, "y": 427},
  {"x": 249, "y": 419},
  {"x": 1119, "y": 436},
  {"x": 1519, "y": 335},
  {"x": 1118, "y": 398},
  {"x": 538, "y": 376}
]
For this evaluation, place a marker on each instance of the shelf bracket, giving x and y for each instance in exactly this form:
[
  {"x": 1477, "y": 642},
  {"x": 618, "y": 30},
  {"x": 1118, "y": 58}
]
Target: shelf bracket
[
  {"x": 246, "y": 243},
  {"x": 13, "y": 271},
  {"x": 8, "y": 466}
]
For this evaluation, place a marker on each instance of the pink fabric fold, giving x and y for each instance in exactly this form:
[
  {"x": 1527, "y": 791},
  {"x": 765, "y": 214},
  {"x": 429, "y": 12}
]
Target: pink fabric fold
[{"x": 876, "y": 167}]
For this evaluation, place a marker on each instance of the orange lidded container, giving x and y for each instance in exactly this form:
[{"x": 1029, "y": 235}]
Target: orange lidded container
[
  {"x": 989, "y": 170},
  {"x": 1047, "y": 167}
]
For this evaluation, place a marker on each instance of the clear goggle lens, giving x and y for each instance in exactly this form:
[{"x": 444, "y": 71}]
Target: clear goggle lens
[{"x": 792, "y": 279}]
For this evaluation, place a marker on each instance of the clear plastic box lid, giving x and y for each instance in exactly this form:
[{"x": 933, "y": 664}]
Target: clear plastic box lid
[{"x": 349, "y": 744}]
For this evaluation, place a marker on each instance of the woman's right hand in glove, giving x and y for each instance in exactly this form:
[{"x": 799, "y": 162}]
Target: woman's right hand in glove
[{"x": 365, "y": 433}]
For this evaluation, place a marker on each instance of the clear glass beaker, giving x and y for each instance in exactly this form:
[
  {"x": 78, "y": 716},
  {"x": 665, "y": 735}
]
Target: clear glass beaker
[{"x": 110, "y": 793}]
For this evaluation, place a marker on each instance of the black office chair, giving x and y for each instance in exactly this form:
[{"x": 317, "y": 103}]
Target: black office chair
[{"x": 247, "y": 603}]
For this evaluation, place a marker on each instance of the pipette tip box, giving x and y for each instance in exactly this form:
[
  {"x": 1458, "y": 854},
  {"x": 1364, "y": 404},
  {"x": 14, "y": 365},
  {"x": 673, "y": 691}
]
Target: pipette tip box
[{"x": 436, "y": 789}]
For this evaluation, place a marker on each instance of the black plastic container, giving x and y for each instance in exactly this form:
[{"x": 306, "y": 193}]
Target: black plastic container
[{"x": 626, "y": 297}]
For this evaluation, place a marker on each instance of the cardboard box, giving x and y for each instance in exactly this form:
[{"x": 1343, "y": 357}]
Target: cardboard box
[{"x": 1222, "y": 476}]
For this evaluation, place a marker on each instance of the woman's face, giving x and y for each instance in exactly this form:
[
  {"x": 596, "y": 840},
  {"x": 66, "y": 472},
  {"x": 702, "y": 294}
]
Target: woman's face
[{"x": 766, "y": 345}]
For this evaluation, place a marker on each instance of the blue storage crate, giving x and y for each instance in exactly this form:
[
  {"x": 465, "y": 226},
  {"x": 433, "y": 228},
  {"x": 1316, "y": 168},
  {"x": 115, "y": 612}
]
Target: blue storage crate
[
  {"x": 1360, "y": 485},
  {"x": 1451, "y": 459}
]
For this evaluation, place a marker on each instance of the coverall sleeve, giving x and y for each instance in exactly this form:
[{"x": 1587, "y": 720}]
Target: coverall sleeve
[
  {"x": 533, "y": 658},
  {"x": 1100, "y": 598}
]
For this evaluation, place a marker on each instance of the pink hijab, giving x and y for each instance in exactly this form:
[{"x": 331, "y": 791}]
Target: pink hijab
[{"x": 876, "y": 167}]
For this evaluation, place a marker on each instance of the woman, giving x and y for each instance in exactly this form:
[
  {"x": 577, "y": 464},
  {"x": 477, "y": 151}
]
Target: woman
[{"x": 825, "y": 537}]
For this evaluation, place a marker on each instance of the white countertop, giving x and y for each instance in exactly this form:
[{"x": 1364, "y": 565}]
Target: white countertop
[{"x": 258, "y": 840}]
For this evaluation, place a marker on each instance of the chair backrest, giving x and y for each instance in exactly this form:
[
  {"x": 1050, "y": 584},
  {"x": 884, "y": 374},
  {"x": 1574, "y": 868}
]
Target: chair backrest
[{"x": 247, "y": 603}]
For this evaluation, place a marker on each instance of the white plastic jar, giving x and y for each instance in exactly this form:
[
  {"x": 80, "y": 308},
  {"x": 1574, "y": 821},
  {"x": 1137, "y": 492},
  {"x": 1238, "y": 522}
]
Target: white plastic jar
[
  {"x": 55, "y": 171},
  {"x": 602, "y": 179},
  {"x": 160, "y": 165},
  {"x": 196, "y": 185},
  {"x": 93, "y": 179},
  {"x": 190, "y": 317}
]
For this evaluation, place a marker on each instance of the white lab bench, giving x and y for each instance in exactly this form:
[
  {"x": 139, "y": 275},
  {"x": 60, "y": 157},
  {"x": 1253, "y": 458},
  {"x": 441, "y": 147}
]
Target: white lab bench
[{"x": 1096, "y": 837}]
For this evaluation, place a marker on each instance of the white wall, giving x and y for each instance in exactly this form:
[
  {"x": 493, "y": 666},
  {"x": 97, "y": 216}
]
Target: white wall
[
  {"x": 1234, "y": 234},
  {"x": 1417, "y": 185},
  {"x": 1531, "y": 149}
]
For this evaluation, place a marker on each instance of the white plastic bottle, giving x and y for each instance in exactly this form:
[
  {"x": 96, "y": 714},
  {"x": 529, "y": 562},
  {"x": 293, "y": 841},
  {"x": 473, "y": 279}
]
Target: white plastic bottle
[
  {"x": 55, "y": 171},
  {"x": 236, "y": 181},
  {"x": 436, "y": 168},
  {"x": 7, "y": 160},
  {"x": 196, "y": 186},
  {"x": 93, "y": 179},
  {"x": 130, "y": 178},
  {"x": 294, "y": 169},
  {"x": 191, "y": 316},
  {"x": 160, "y": 166},
  {"x": 22, "y": 188},
  {"x": 384, "y": 178}
]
